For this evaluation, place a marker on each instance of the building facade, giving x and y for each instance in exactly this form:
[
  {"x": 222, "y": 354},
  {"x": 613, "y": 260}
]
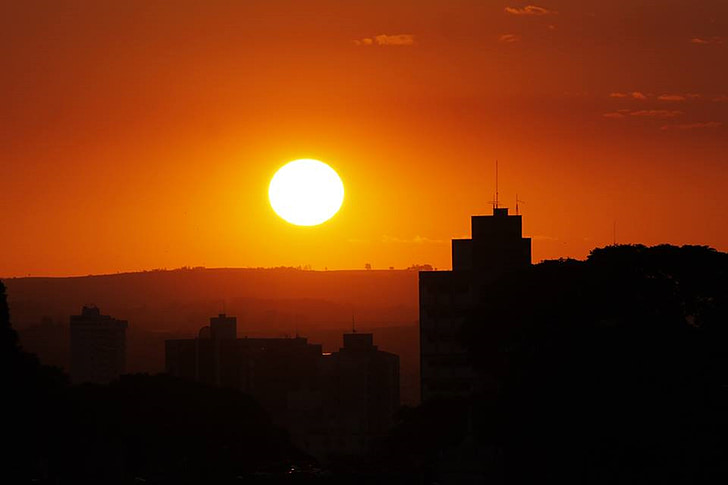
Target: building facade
[
  {"x": 497, "y": 246},
  {"x": 98, "y": 347}
]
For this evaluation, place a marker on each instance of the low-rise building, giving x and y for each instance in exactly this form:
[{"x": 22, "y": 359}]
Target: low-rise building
[{"x": 331, "y": 403}]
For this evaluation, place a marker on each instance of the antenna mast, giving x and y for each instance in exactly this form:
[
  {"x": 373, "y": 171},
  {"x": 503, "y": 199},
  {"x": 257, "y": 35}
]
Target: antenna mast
[{"x": 496, "y": 184}]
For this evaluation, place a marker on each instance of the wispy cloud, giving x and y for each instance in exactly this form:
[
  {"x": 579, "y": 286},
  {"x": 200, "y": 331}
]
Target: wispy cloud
[
  {"x": 706, "y": 40},
  {"x": 634, "y": 95},
  {"x": 639, "y": 95},
  {"x": 530, "y": 10},
  {"x": 509, "y": 38},
  {"x": 722, "y": 98},
  {"x": 693, "y": 126},
  {"x": 678, "y": 97},
  {"x": 643, "y": 113},
  {"x": 398, "y": 39},
  {"x": 387, "y": 40},
  {"x": 656, "y": 113}
]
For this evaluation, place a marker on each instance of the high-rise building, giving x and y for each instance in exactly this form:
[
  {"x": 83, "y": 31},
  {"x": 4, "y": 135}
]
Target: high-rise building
[
  {"x": 98, "y": 347},
  {"x": 446, "y": 298}
]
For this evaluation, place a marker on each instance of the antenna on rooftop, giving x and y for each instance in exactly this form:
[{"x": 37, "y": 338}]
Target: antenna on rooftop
[
  {"x": 496, "y": 201},
  {"x": 353, "y": 323},
  {"x": 496, "y": 185}
]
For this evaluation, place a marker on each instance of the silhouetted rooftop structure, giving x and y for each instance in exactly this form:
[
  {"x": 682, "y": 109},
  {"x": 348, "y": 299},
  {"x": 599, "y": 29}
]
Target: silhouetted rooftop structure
[
  {"x": 358, "y": 341},
  {"x": 497, "y": 246}
]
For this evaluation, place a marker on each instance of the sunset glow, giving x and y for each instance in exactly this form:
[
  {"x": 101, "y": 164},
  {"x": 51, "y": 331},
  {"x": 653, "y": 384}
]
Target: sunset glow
[{"x": 171, "y": 118}]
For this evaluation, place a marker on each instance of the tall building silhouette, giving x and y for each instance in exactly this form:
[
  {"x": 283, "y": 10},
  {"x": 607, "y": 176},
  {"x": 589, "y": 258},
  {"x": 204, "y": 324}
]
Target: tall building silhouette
[
  {"x": 98, "y": 347},
  {"x": 496, "y": 246}
]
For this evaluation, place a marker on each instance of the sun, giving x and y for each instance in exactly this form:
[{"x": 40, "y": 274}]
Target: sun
[{"x": 306, "y": 192}]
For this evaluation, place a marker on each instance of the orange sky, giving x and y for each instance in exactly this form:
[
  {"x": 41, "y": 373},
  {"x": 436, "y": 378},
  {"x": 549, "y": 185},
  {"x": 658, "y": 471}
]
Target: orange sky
[{"x": 143, "y": 134}]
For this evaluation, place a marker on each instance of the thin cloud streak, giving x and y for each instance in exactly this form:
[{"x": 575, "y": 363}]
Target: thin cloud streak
[
  {"x": 634, "y": 95},
  {"x": 656, "y": 113},
  {"x": 679, "y": 97},
  {"x": 509, "y": 38},
  {"x": 706, "y": 41},
  {"x": 531, "y": 10},
  {"x": 643, "y": 113},
  {"x": 387, "y": 40}
]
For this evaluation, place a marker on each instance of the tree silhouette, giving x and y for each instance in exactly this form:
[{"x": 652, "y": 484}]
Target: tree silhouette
[
  {"x": 609, "y": 370},
  {"x": 613, "y": 367},
  {"x": 8, "y": 336}
]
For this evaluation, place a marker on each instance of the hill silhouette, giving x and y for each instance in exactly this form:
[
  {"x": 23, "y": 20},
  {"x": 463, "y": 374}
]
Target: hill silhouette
[{"x": 273, "y": 302}]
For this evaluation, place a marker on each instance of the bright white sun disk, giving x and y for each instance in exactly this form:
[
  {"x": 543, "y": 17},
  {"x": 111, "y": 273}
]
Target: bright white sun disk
[{"x": 306, "y": 192}]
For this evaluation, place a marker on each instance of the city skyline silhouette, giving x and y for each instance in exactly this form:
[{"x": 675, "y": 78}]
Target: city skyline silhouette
[{"x": 392, "y": 242}]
